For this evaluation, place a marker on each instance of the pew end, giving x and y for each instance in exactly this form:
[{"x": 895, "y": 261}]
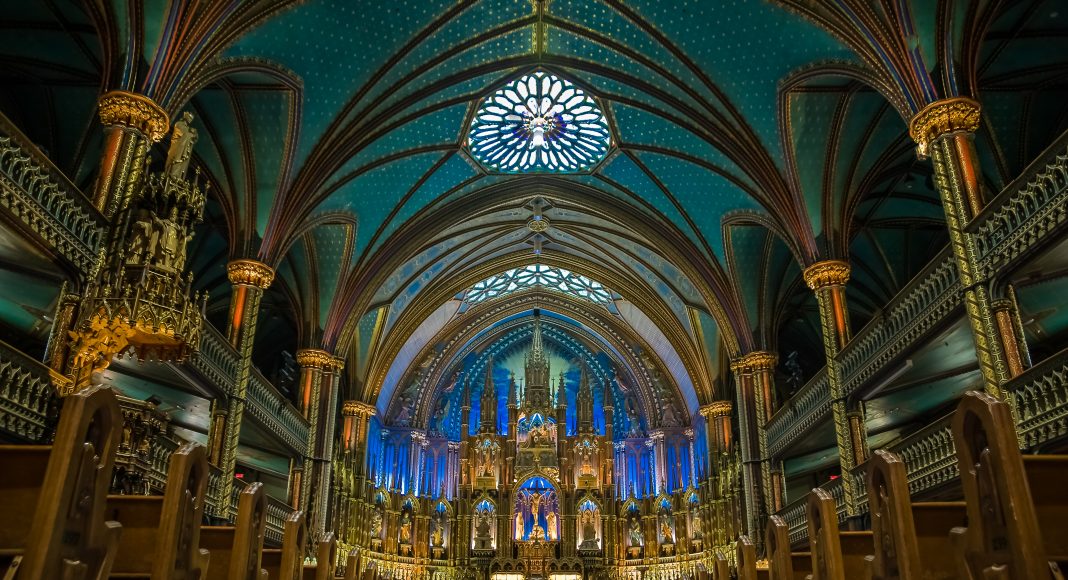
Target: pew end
[
  {"x": 1003, "y": 535},
  {"x": 67, "y": 531}
]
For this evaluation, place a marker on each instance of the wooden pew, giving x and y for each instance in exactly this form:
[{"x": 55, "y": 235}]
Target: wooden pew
[
  {"x": 236, "y": 550},
  {"x": 783, "y": 564},
  {"x": 53, "y": 498},
  {"x": 747, "y": 558},
  {"x": 720, "y": 567},
  {"x": 911, "y": 540},
  {"x": 162, "y": 533},
  {"x": 835, "y": 555},
  {"x": 1005, "y": 538},
  {"x": 288, "y": 562},
  {"x": 352, "y": 563},
  {"x": 325, "y": 560}
]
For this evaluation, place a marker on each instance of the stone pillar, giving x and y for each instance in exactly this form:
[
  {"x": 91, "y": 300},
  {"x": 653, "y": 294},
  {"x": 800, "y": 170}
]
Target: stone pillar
[
  {"x": 313, "y": 364},
  {"x": 945, "y": 130},
  {"x": 249, "y": 278},
  {"x": 1011, "y": 332},
  {"x": 828, "y": 280},
  {"x": 328, "y": 404},
  {"x": 753, "y": 378},
  {"x": 58, "y": 349},
  {"x": 132, "y": 123},
  {"x": 717, "y": 416}
]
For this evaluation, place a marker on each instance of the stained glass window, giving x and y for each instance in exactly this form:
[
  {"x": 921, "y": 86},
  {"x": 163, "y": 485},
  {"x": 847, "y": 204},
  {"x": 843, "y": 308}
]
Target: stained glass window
[
  {"x": 539, "y": 123},
  {"x": 540, "y": 275}
]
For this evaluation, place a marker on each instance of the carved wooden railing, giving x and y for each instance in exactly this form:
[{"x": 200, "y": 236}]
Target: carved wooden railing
[
  {"x": 931, "y": 461},
  {"x": 1040, "y": 396},
  {"x": 1017, "y": 222},
  {"x": 277, "y": 512},
  {"x": 37, "y": 194},
  {"x": 28, "y": 395},
  {"x": 215, "y": 360},
  {"x": 804, "y": 410},
  {"x": 273, "y": 410},
  {"x": 920, "y": 307}
]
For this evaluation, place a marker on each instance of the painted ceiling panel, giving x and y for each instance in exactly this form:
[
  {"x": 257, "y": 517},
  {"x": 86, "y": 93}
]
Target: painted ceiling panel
[
  {"x": 372, "y": 195},
  {"x": 451, "y": 174},
  {"x": 745, "y": 47},
  {"x": 707, "y": 195},
  {"x": 335, "y": 46},
  {"x": 474, "y": 21},
  {"x": 641, "y": 127},
  {"x": 269, "y": 144},
  {"x": 621, "y": 169},
  {"x": 333, "y": 251}
]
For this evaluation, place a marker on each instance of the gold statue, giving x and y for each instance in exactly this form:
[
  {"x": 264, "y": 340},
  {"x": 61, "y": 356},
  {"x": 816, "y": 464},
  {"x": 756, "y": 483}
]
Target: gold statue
[{"x": 181, "y": 151}]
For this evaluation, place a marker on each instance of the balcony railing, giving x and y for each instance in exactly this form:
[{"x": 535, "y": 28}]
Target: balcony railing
[
  {"x": 1040, "y": 395},
  {"x": 930, "y": 459},
  {"x": 38, "y": 195},
  {"x": 273, "y": 410},
  {"x": 1016, "y": 224},
  {"x": 215, "y": 359},
  {"x": 28, "y": 394},
  {"x": 922, "y": 306},
  {"x": 806, "y": 408}
]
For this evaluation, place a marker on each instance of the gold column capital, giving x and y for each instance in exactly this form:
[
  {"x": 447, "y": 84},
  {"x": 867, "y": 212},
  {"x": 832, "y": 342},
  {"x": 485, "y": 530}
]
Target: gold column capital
[
  {"x": 943, "y": 117},
  {"x": 315, "y": 358},
  {"x": 250, "y": 273},
  {"x": 715, "y": 409},
  {"x": 135, "y": 111},
  {"x": 357, "y": 408},
  {"x": 759, "y": 360},
  {"x": 827, "y": 273}
]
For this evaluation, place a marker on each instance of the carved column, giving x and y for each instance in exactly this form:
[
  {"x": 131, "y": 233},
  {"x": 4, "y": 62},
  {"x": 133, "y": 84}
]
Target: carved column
[
  {"x": 945, "y": 130},
  {"x": 328, "y": 403},
  {"x": 57, "y": 351},
  {"x": 312, "y": 363},
  {"x": 753, "y": 378},
  {"x": 828, "y": 280},
  {"x": 132, "y": 123},
  {"x": 1011, "y": 332},
  {"x": 249, "y": 278}
]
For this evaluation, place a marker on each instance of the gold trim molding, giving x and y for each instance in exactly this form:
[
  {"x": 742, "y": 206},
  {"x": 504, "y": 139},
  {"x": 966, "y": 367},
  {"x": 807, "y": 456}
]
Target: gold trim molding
[
  {"x": 355, "y": 408},
  {"x": 755, "y": 361},
  {"x": 315, "y": 358},
  {"x": 250, "y": 273},
  {"x": 827, "y": 273},
  {"x": 942, "y": 117},
  {"x": 134, "y": 111},
  {"x": 716, "y": 409}
]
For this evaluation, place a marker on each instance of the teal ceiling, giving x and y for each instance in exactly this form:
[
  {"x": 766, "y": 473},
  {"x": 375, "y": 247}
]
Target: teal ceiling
[{"x": 333, "y": 133}]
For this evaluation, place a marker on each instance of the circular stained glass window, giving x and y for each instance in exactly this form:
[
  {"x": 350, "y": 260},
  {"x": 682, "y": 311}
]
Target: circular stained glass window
[{"x": 539, "y": 123}]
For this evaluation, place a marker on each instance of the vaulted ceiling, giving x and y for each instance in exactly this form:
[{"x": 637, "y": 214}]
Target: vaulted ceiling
[{"x": 749, "y": 139}]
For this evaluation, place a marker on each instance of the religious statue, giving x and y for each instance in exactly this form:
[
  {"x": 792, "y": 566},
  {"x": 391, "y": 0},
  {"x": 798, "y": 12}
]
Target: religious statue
[
  {"x": 405, "y": 528},
  {"x": 666, "y": 534},
  {"x": 519, "y": 525},
  {"x": 181, "y": 151},
  {"x": 169, "y": 238},
  {"x": 636, "y": 536},
  {"x": 550, "y": 523},
  {"x": 587, "y": 469},
  {"x": 632, "y": 417},
  {"x": 486, "y": 463},
  {"x": 589, "y": 531},
  {"x": 670, "y": 418},
  {"x": 482, "y": 529},
  {"x": 695, "y": 528},
  {"x": 437, "y": 535},
  {"x": 142, "y": 241},
  {"x": 376, "y": 522}
]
